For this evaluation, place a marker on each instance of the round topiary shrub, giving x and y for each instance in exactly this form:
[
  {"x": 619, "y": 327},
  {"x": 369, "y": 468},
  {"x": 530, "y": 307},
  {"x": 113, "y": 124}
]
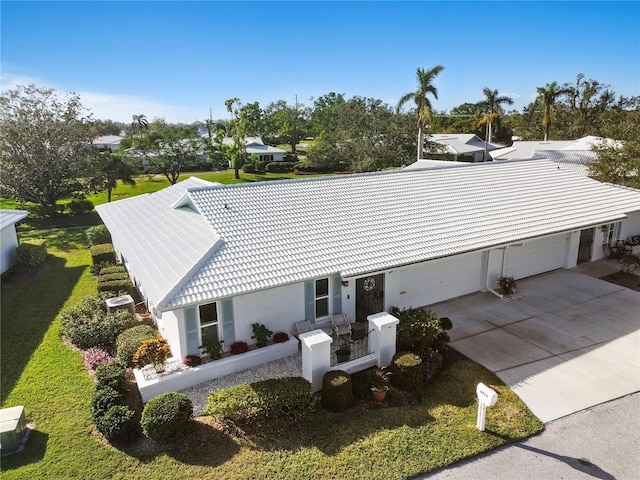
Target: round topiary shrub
[
  {"x": 167, "y": 416},
  {"x": 117, "y": 423},
  {"x": 337, "y": 392},
  {"x": 104, "y": 398},
  {"x": 98, "y": 234},
  {"x": 406, "y": 368},
  {"x": 111, "y": 375},
  {"x": 154, "y": 351},
  {"x": 129, "y": 341}
]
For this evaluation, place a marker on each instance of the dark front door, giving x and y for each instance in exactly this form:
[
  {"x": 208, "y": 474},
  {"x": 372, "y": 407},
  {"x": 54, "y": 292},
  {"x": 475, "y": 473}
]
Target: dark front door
[
  {"x": 586, "y": 245},
  {"x": 369, "y": 296}
]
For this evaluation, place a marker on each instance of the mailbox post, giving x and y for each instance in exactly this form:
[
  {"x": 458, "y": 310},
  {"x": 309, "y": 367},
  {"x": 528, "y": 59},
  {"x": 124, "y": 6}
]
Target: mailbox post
[{"x": 487, "y": 397}]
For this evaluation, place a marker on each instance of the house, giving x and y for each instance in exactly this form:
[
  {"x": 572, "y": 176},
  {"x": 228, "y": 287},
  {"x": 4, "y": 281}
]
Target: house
[
  {"x": 460, "y": 147},
  {"x": 8, "y": 236},
  {"x": 211, "y": 260},
  {"x": 107, "y": 143},
  {"x": 255, "y": 146}
]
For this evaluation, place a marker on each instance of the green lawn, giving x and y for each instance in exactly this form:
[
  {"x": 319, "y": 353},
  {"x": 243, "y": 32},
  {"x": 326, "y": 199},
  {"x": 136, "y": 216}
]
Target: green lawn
[{"x": 38, "y": 371}]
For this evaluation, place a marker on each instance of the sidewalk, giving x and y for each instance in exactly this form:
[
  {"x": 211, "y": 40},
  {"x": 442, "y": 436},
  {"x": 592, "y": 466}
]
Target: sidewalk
[{"x": 600, "y": 442}]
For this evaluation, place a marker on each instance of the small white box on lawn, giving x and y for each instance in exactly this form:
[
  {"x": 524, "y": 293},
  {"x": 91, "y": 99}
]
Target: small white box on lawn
[{"x": 486, "y": 395}]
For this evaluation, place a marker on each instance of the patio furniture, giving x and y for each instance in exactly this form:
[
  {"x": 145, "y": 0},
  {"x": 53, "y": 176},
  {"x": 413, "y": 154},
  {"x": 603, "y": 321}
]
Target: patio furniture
[
  {"x": 340, "y": 325},
  {"x": 306, "y": 326},
  {"x": 618, "y": 250}
]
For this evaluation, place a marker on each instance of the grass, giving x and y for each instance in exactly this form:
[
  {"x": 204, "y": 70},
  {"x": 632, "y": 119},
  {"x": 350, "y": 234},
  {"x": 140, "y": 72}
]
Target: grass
[{"x": 38, "y": 371}]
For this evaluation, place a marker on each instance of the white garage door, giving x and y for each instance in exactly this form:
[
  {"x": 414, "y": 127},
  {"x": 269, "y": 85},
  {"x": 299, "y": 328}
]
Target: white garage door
[{"x": 536, "y": 256}]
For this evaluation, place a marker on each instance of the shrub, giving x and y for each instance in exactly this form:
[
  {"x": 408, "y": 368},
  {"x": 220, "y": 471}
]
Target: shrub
[
  {"x": 111, "y": 375},
  {"x": 31, "y": 254},
  {"x": 98, "y": 267},
  {"x": 630, "y": 263},
  {"x": 154, "y": 351},
  {"x": 95, "y": 356},
  {"x": 117, "y": 423},
  {"x": 103, "y": 252},
  {"x": 261, "y": 334},
  {"x": 80, "y": 206},
  {"x": 129, "y": 341},
  {"x": 406, "y": 368},
  {"x": 249, "y": 168},
  {"x": 117, "y": 287},
  {"x": 213, "y": 348},
  {"x": 291, "y": 396},
  {"x": 431, "y": 364},
  {"x": 192, "y": 360},
  {"x": 98, "y": 234},
  {"x": 261, "y": 166},
  {"x": 280, "y": 337},
  {"x": 291, "y": 158},
  {"x": 167, "y": 416},
  {"x": 108, "y": 277},
  {"x": 507, "y": 285},
  {"x": 104, "y": 398},
  {"x": 280, "y": 167},
  {"x": 302, "y": 167},
  {"x": 418, "y": 329},
  {"x": 239, "y": 347},
  {"x": 89, "y": 325},
  {"x": 337, "y": 392},
  {"x": 112, "y": 269}
]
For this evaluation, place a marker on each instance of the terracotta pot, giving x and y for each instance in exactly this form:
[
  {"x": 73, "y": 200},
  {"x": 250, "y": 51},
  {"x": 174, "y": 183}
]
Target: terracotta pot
[{"x": 379, "y": 395}]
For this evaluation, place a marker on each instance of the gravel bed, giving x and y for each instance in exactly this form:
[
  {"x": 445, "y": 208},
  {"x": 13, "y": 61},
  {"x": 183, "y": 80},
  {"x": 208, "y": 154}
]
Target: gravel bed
[{"x": 285, "y": 367}]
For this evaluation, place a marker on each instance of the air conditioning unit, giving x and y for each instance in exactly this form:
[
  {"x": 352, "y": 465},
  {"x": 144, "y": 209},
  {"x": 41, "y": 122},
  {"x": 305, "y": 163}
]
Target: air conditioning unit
[{"x": 122, "y": 302}]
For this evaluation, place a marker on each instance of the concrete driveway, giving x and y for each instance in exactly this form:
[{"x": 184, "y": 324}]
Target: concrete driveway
[{"x": 569, "y": 342}]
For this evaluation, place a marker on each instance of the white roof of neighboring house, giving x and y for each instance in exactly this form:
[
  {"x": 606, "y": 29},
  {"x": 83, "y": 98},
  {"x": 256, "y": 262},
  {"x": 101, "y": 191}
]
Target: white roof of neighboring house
[
  {"x": 426, "y": 163},
  {"x": 461, "y": 143},
  {"x": 255, "y": 145},
  {"x": 113, "y": 140},
  {"x": 254, "y": 236},
  {"x": 532, "y": 149},
  {"x": 572, "y": 160},
  {"x": 11, "y": 217}
]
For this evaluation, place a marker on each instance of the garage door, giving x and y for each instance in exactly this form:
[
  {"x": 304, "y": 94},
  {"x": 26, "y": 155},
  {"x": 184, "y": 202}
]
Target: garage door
[{"x": 536, "y": 256}]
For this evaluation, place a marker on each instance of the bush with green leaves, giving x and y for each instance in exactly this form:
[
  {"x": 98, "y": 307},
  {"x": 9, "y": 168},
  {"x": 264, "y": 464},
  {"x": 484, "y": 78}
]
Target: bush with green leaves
[
  {"x": 98, "y": 267},
  {"x": 419, "y": 328},
  {"x": 290, "y": 396},
  {"x": 167, "y": 417},
  {"x": 129, "y": 341},
  {"x": 89, "y": 325},
  {"x": 261, "y": 334},
  {"x": 280, "y": 167},
  {"x": 116, "y": 287},
  {"x": 80, "y": 206},
  {"x": 108, "y": 277},
  {"x": 117, "y": 423},
  {"x": 112, "y": 375},
  {"x": 104, "y": 398},
  {"x": 154, "y": 351},
  {"x": 112, "y": 269},
  {"x": 103, "y": 252},
  {"x": 337, "y": 391},
  {"x": 98, "y": 234},
  {"x": 31, "y": 254},
  {"x": 249, "y": 168},
  {"x": 406, "y": 369}
]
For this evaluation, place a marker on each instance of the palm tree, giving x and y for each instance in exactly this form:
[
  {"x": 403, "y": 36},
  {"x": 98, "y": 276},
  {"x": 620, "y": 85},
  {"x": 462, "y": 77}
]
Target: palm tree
[
  {"x": 140, "y": 123},
  {"x": 109, "y": 168},
  {"x": 423, "y": 104},
  {"x": 492, "y": 108},
  {"x": 546, "y": 99}
]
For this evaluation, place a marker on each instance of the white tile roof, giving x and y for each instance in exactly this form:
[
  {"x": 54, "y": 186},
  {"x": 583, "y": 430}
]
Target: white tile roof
[
  {"x": 11, "y": 217},
  {"x": 462, "y": 142},
  {"x": 426, "y": 163},
  {"x": 275, "y": 233}
]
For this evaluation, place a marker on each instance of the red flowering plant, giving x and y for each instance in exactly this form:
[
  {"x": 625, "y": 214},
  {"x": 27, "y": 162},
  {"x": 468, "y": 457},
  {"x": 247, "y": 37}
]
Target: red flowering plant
[
  {"x": 280, "y": 337},
  {"x": 239, "y": 347}
]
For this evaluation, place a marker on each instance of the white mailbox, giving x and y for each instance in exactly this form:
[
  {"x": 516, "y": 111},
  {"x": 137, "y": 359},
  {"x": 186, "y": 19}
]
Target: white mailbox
[{"x": 487, "y": 397}]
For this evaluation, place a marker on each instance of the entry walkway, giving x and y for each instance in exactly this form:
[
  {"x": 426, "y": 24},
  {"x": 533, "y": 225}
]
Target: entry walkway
[{"x": 569, "y": 342}]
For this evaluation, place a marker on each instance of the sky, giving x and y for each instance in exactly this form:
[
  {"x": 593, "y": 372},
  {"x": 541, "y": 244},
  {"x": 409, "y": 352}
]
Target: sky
[{"x": 182, "y": 60}]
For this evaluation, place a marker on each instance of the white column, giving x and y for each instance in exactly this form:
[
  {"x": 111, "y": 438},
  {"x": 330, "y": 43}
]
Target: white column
[
  {"x": 316, "y": 356},
  {"x": 383, "y": 327}
]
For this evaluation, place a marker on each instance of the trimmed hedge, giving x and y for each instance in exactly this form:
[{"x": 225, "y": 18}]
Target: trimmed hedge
[
  {"x": 290, "y": 396},
  {"x": 108, "y": 277},
  {"x": 167, "y": 417},
  {"x": 280, "y": 167},
  {"x": 98, "y": 234},
  {"x": 98, "y": 267},
  {"x": 80, "y": 206},
  {"x": 117, "y": 423},
  {"x": 129, "y": 341},
  {"x": 111, "y": 375},
  {"x": 103, "y": 252},
  {"x": 112, "y": 269},
  {"x": 116, "y": 286},
  {"x": 249, "y": 168},
  {"x": 104, "y": 398},
  {"x": 31, "y": 254},
  {"x": 406, "y": 368},
  {"x": 337, "y": 391}
]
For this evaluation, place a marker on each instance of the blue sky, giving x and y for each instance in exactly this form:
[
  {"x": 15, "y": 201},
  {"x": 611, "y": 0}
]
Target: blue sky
[{"x": 179, "y": 59}]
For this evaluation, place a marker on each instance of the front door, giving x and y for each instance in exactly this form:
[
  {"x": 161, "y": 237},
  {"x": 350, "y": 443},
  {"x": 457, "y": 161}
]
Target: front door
[
  {"x": 369, "y": 296},
  {"x": 586, "y": 245}
]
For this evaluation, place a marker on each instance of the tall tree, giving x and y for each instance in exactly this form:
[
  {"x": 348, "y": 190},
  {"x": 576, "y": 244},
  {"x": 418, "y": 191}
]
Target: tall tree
[
  {"x": 588, "y": 99},
  {"x": 420, "y": 97},
  {"x": 108, "y": 169},
  {"x": 491, "y": 107},
  {"x": 238, "y": 128},
  {"x": 546, "y": 99},
  {"x": 139, "y": 124},
  {"x": 45, "y": 140},
  {"x": 283, "y": 123}
]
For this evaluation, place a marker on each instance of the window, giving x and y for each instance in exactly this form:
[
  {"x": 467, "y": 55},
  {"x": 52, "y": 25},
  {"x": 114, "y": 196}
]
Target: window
[
  {"x": 322, "y": 298},
  {"x": 611, "y": 233},
  {"x": 266, "y": 158},
  {"x": 208, "y": 323}
]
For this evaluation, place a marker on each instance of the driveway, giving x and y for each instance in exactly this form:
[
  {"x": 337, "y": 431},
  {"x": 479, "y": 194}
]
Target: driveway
[{"x": 569, "y": 342}]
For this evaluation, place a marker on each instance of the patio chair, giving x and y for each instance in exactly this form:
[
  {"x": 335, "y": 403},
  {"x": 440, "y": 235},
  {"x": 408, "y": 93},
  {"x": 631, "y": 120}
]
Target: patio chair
[
  {"x": 304, "y": 327},
  {"x": 340, "y": 325}
]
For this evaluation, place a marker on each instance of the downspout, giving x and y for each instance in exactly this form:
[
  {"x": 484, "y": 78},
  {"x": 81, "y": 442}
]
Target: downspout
[{"x": 486, "y": 282}]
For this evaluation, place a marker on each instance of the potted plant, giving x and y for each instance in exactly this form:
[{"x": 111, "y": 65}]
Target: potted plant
[
  {"x": 507, "y": 285},
  {"x": 213, "y": 348},
  {"x": 343, "y": 352},
  {"x": 380, "y": 383}
]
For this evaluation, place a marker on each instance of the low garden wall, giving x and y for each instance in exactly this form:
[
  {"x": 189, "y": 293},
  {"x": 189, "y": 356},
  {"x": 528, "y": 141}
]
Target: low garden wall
[{"x": 179, "y": 380}]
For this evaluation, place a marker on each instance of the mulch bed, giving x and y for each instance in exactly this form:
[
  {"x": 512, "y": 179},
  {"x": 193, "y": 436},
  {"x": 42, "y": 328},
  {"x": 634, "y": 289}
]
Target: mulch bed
[{"x": 623, "y": 279}]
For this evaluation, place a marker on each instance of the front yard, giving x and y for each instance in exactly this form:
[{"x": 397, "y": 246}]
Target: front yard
[{"x": 49, "y": 378}]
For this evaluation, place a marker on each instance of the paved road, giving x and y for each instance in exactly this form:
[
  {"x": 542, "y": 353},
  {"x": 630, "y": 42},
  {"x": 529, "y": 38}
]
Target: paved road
[{"x": 601, "y": 442}]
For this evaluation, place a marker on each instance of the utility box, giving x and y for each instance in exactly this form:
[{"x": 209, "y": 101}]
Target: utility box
[
  {"x": 14, "y": 427},
  {"x": 124, "y": 302}
]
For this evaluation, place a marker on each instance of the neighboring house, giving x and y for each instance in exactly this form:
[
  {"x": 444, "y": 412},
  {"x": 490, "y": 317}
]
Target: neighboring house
[
  {"x": 107, "y": 143},
  {"x": 255, "y": 146},
  {"x": 8, "y": 236},
  {"x": 460, "y": 147},
  {"x": 211, "y": 260}
]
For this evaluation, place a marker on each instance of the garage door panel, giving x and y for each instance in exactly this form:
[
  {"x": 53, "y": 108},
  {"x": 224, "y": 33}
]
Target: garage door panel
[{"x": 535, "y": 257}]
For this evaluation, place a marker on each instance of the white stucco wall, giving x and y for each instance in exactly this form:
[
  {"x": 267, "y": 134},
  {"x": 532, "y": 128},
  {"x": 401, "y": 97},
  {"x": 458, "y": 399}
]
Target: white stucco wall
[
  {"x": 631, "y": 226},
  {"x": 9, "y": 242},
  {"x": 171, "y": 327}
]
